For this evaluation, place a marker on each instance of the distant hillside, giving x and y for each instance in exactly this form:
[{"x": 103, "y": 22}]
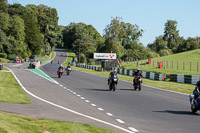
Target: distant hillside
[{"x": 181, "y": 63}]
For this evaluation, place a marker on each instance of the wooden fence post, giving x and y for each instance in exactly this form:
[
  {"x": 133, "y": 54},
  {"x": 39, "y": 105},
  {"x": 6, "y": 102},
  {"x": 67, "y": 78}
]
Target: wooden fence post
[
  {"x": 177, "y": 65},
  {"x": 167, "y": 64},
  {"x": 153, "y": 64}
]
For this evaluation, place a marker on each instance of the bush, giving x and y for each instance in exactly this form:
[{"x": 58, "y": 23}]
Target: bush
[
  {"x": 3, "y": 55},
  {"x": 82, "y": 58},
  {"x": 13, "y": 56}
]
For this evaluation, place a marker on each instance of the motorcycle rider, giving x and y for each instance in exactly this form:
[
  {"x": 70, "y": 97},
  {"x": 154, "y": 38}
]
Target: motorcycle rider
[
  {"x": 60, "y": 68},
  {"x": 67, "y": 68},
  {"x": 196, "y": 91},
  {"x": 136, "y": 74},
  {"x": 114, "y": 72}
]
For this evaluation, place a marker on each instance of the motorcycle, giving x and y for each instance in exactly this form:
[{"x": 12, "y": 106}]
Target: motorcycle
[
  {"x": 195, "y": 104},
  {"x": 137, "y": 83},
  {"x": 68, "y": 70},
  {"x": 113, "y": 83},
  {"x": 60, "y": 72}
]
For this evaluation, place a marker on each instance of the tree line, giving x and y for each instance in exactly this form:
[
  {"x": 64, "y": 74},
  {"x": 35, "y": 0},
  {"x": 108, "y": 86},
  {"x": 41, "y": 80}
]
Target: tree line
[
  {"x": 118, "y": 37},
  {"x": 171, "y": 42},
  {"x": 28, "y": 31}
]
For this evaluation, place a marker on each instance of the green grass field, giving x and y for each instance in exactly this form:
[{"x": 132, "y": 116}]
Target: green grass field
[
  {"x": 187, "y": 63},
  {"x": 10, "y": 91},
  {"x": 21, "y": 124}
]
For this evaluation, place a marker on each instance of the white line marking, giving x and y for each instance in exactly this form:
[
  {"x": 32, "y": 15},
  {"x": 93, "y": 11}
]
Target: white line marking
[
  {"x": 61, "y": 85},
  {"x": 87, "y": 101},
  {"x": 67, "y": 109},
  {"x": 82, "y": 98},
  {"x": 133, "y": 129},
  {"x": 120, "y": 121},
  {"x": 74, "y": 93},
  {"x": 78, "y": 95},
  {"x": 109, "y": 114},
  {"x": 68, "y": 89},
  {"x": 93, "y": 105},
  {"x": 65, "y": 88},
  {"x": 100, "y": 109}
]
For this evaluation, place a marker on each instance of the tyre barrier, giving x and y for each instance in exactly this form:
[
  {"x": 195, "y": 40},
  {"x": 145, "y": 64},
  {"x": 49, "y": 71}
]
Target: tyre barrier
[
  {"x": 180, "y": 78},
  {"x": 148, "y": 75}
]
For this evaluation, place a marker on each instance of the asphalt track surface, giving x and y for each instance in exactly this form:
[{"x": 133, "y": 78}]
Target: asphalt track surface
[{"x": 149, "y": 111}]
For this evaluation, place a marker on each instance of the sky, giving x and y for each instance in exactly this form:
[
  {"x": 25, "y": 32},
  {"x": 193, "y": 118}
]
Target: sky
[{"x": 149, "y": 15}]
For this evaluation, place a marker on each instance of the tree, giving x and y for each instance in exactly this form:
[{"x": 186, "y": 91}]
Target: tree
[
  {"x": 3, "y": 5},
  {"x": 171, "y": 35},
  {"x": 81, "y": 38},
  {"x": 4, "y": 22},
  {"x": 33, "y": 36},
  {"x": 120, "y": 36}
]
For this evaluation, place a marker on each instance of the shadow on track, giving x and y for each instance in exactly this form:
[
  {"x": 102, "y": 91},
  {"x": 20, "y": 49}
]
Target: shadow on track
[
  {"x": 177, "y": 112},
  {"x": 99, "y": 89},
  {"x": 127, "y": 89}
]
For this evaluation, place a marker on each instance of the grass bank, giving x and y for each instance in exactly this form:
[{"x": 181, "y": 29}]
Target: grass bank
[
  {"x": 187, "y": 63},
  {"x": 21, "y": 124},
  {"x": 10, "y": 90},
  {"x": 178, "y": 87},
  {"x": 3, "y": 60}
]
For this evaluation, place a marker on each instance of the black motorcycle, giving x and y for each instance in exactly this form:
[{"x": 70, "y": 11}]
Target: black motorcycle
[
  {"x": 137, "y": 83},
  {"x": 68, "y": 70},
  {"x": 113, "y": 83}
]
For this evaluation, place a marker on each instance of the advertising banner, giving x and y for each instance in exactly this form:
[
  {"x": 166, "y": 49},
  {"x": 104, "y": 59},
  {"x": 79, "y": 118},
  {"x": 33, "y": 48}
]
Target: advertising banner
[{"x": 105, "y": 56}]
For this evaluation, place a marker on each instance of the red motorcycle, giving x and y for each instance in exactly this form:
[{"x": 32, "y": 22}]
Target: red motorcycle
[{"x": 60, "y": 72}]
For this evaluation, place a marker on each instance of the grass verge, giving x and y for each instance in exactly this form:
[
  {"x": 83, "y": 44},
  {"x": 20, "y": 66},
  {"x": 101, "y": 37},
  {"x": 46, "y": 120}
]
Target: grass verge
[
  {"x": 178, "y": 87},
  {"x": 3, "y": 60},
  {"x": 10, "y": 91},
  {"x": 182, "y": 63},
  {"x": 20, "y": 124},
  {"x": 70, "y": 57}
]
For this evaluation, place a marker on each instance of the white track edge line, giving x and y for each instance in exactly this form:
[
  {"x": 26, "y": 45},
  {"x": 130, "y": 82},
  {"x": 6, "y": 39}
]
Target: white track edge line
[{"x": 67, "y": 109}]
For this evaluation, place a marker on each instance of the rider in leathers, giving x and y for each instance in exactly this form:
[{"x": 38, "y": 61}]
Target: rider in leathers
[
  {"x": 196, "y": 91},
  {"x": 137, "y": 73},
  {"x": 114, "y": 72}
]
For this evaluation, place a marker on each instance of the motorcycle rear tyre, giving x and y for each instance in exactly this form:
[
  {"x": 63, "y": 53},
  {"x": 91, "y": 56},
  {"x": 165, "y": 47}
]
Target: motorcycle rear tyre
[
  {"x": 194, "y": 110},
  {"x": 114, "y": 87}
]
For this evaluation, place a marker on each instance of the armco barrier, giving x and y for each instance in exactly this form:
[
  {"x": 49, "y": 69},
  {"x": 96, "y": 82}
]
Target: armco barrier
[
  {"x": 180, "y": 78},
  {"x": 149, "y": 75}
]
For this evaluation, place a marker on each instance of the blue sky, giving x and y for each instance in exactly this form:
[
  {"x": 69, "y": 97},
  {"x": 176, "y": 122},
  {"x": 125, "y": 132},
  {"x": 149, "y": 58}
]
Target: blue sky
[{"x": 149, "y": 15}]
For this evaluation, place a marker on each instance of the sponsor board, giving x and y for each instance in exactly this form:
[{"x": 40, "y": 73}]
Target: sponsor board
[{"x": 105, "y": 56}]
